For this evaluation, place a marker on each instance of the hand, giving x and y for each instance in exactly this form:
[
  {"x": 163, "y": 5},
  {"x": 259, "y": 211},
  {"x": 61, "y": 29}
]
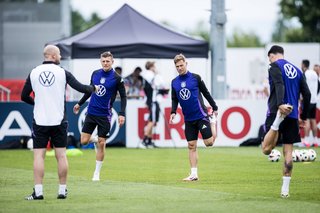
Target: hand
[
  {"x": 121, "y": 120},
  {"x": 96, "y": 88},
  {"x": 285, "y": 109},
  {"x": 76, "y": 109},
  {"x": 172, "y": 117}
]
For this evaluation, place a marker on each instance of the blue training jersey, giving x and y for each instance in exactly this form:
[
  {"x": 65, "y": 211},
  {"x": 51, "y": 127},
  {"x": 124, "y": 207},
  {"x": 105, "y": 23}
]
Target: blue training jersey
[
  {"x": 186, "y": 89},
  {"x": 109, "y": 83},
  {"x": 291, "y": 77}
]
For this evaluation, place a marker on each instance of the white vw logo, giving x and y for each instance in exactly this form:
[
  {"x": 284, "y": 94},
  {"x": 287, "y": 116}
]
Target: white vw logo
[
  {"x": 184, "y": 94},
  {"x": 46, "y": 78},
  {"x": 290, "y": 71},
  {"x": 114, "y": 124},
  {"x": 101, "y": 91}
]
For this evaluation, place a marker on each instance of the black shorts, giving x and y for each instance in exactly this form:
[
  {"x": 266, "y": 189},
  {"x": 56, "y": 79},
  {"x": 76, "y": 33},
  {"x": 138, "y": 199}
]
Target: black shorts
[
  {"x": 57, "y": 135},
  {"x": 289, "y": 132},
  {"x": 91, "y": 121},
  {"x": 192, "y": 129},
  {"x": 154, "y": 110},
  {"x": 312, "y": 111}
]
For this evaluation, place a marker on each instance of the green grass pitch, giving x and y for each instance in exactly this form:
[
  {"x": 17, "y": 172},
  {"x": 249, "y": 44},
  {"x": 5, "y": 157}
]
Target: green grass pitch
[{"x": 135, "y": 180}]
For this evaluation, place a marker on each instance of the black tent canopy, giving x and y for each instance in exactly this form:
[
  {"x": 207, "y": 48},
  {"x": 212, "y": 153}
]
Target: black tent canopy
[{"x": 128, "y": 34}]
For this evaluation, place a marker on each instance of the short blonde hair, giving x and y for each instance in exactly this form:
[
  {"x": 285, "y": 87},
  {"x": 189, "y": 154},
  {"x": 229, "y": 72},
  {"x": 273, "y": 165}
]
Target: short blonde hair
[
  {"x": 179, "y": 57},
  {"x": 106, "y": 54}
]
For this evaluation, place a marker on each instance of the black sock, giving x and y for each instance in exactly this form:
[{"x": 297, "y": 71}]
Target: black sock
[
  {"x": 145, "y": 139},
  {"x": 149, "y": 140}
]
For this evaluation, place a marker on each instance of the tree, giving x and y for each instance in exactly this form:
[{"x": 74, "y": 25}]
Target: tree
[
  {"x": 242, "y": 39},
  {"x": 308, "y": 14},
  {"x": 80, "y": 24}
]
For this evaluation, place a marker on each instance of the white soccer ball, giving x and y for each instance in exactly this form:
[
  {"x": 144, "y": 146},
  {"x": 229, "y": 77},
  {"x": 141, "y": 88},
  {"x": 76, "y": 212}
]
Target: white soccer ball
[
  {"x": 294, "y": 156},
  {"x": 30, "y": 144},
  {"x": 298, "y": 155},
  {"x": 305, "y": 155},
  {"x": 312, "y": 155},
  {"x": 274, "y": 156}
]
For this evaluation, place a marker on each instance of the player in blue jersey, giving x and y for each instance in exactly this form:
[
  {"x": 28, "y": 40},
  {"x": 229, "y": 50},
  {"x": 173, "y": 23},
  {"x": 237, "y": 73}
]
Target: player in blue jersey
[
  {"x": 186, "y": 90},
  {"x": 100, "y": 105},
  {"x": 287, "y": 82}
]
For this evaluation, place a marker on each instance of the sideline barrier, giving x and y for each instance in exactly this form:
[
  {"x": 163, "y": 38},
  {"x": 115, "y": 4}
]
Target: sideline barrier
[{"x": 238, "y": 120}]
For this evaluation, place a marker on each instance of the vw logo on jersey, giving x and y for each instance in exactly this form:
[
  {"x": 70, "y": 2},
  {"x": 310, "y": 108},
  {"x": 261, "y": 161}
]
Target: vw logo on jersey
[
  {"x": 46, "y": 78},
  {"x": 101, "y": 91},
  {"x": 184, "y": 94},
  {"x": 102, "y": 80},
  {"x": 114, "y": 124},
  {"x": 183, "y": 84},
  {"x": 290, "y": 70}
]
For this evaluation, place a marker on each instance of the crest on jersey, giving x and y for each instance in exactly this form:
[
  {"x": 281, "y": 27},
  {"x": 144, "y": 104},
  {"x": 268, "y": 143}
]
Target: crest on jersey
[
  {"x": 102, "y": 90},
  {"x": 46, "y": 78},
  {"x": 102, "y": 80},
  {"x": 183, "y": 84},
  {"x": 184, "y": 94},
  {"x": 290, "y": 70}
]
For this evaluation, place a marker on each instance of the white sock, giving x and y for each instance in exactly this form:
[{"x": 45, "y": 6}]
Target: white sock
[
  {"x": 194, "y": 172},
  {"x": 62, "y": 189},
  {"x": 38, "y": 188},
  {"x": 98, "y": 167},
  {"x": 276, "y": 123},
  {"x": 285, "y": 184}
]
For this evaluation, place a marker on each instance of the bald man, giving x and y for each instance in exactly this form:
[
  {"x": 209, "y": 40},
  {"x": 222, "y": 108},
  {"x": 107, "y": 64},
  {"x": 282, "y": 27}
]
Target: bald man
[{"x": 48, "y": 83}]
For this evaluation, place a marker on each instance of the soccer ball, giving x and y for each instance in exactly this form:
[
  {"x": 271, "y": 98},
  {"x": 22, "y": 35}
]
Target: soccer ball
[
  {"x": 298, "y": 155},
  {"x": 274, "y": 156},
  {"x": 312, "y": 154},
  {"x": 305, "y": 155},
  {"x": 294, "y": 156}
]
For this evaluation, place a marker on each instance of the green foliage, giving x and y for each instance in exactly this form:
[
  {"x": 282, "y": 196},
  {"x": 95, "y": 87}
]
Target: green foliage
[
  {"x": 135, "y": 180},
  {"x": 80, "y": 24},
  {"x": 308, "y": 14},
  {"x": 201, "y": 30},
  {"x": 243, "y": 39}
]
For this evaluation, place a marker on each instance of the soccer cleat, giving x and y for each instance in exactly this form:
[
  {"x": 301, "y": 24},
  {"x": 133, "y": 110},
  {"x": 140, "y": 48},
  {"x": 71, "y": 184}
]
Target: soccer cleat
[
  {"x": 151, "y": 145},
  {"x": 191, "y": 178},
  {"x": 34, "y": 197},
  {"x": 96, "y": 177},
  {"x": 285, "y": 194},
  {"x": 63, "y": 196}
]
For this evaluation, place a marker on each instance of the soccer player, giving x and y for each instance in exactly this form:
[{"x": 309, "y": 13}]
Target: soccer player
[
  {"x": 48, "y": 82},
  {"x": 287, "y": 82},
  {"x": 100, "y": 105},
  {"x": 186, "y": 89},
  {"x": 154, "y": 88},
  {"x": 311, "y": 123}
]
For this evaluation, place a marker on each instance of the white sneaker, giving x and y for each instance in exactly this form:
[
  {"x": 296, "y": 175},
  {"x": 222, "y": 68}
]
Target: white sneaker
[
  {"x": 96, "y": 177},
  {"x": 191, "y": 178},
  {"x": 285, "y": 194}
]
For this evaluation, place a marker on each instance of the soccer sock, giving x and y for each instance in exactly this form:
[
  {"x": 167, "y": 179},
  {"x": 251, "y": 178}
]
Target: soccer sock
[
  {"x": 194, "y": 172},
  {"x": 38, "y": 188},
  {"x": 62, "y": 189},
  {"x": 277, "y": 122},
  {"x": 98, "y": 167},
  {"x": 149, "y": 140},
  {"x": 285, "y": 184}
]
